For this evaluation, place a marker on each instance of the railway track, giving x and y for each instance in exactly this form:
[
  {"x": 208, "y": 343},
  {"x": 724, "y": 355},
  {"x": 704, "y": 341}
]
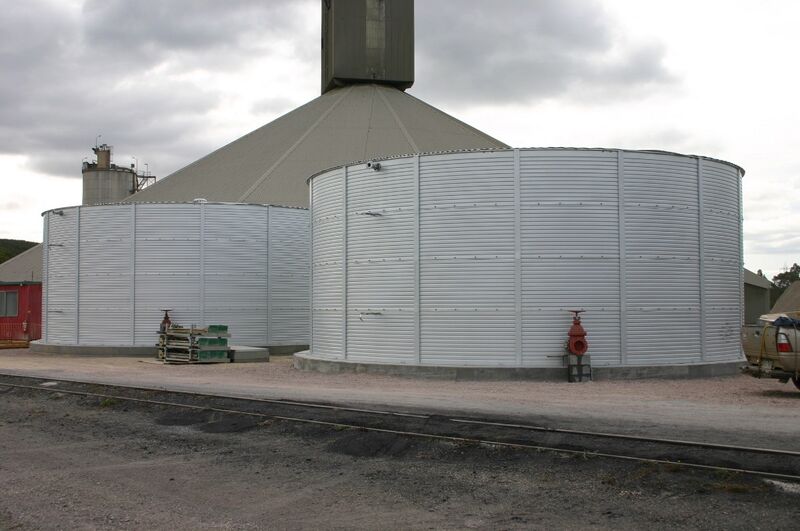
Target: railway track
[{"x": 765, "y": 462}]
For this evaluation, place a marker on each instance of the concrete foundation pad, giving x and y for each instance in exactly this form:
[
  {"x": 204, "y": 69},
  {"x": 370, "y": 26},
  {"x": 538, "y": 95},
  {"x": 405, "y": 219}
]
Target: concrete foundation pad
[
  {"x": 699, "y": 370},
  {"x": 305, "y": 361},
  {"x": 248, "y": 354},
  {"x": 37, "y": 347},
  {"x": 286, "y": 350}
]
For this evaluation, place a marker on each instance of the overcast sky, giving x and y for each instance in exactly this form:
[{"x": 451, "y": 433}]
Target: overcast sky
[{"x": 168, "y": 81}]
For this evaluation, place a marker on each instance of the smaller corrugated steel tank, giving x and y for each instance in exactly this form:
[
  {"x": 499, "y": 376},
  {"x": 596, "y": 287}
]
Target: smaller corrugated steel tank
[
  {"x": 109, "y": 270},
  {"x": 474, "y": 258}
]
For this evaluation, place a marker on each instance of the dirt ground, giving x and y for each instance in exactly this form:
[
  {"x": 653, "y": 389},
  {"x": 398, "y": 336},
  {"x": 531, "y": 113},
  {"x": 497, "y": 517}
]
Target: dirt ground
[
  {"x": 68, "y": 462},
  {"x": 735, "y": 410}
]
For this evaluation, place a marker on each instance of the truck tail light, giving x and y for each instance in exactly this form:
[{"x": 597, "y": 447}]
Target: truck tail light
[{"x": 783, "y": 343}]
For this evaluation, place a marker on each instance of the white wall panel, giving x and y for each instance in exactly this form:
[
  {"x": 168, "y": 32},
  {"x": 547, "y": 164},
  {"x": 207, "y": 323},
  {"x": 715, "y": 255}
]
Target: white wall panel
[
  {"x": 327, "y": 281},
  {"x": 722, "y": 283},
  {"x": 289, "y": 274},
  {"x": 662, "y": 259},
  {"x": 105, "y": 275},
  {"x": 380, "y": 262},
  {"x": 570, "y": 252},
  {"x": 61, "y": 282},
  {"x": 234, "y": 258},
  {"x": 466, "y": 282},
  {"x": 45, "y": 282},
  {"x": 168, "y": 258}
]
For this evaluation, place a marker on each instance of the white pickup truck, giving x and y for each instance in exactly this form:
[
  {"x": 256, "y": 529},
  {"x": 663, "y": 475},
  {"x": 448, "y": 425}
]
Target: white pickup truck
[{"x": 772, "y": 347}]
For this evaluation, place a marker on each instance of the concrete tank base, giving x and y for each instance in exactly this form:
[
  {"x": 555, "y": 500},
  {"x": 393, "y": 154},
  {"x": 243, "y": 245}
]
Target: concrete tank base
[
  {"x": 305, "y": 361},
  {"x": 286, "y": 350},
  {"x": 38, "y": 347}
]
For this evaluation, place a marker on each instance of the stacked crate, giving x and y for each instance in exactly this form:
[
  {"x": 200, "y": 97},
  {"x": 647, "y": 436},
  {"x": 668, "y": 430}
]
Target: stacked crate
[{"x": 179, "y": 344}]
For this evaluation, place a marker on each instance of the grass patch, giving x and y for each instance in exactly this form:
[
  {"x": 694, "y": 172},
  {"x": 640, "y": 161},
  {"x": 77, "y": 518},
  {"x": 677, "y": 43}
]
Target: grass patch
[{"x": 109, "y": 402}]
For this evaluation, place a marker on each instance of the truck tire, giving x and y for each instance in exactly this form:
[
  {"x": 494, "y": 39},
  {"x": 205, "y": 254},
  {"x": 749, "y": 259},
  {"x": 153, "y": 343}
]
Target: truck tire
[{"x": 796, "y": 381}]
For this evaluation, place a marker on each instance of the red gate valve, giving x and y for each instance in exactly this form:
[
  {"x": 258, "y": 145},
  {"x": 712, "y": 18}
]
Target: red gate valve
[
  {"x": 166, "y": 322},
  {"x": 577, "y": 335}
]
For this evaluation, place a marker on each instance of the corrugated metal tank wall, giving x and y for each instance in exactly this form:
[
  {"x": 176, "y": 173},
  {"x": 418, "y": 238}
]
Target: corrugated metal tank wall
[
  {"x": 474, "y": 258},
  {"x": 109, "y": 270}
]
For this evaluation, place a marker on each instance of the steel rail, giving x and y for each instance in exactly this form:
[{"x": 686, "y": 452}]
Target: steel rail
[
  {"x": 280, "y": 401},
  {"x": 527, "y": 427},
  {"x": 431, "y": 436},
  {"x": 638, "y": 438}
]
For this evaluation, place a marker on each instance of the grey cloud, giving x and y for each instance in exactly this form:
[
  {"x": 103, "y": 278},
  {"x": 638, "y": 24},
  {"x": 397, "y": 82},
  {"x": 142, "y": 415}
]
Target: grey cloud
[
  {"x": 74, "y": 74},
  {"x": 116, "y": 66},
  {"x": 669, "y": 139},
  {"x": 223, "y": 32},
  {"x": 516, "y": 51},
  {"x": 274, "y": 106},
  {"x": 777, "y": 243}
]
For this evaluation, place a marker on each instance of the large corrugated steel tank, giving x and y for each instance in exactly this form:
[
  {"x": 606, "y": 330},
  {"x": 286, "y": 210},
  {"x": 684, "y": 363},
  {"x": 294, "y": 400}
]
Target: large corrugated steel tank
[
  {"x": 473, "y": 258},
  {"x": 109, "y": 270}
]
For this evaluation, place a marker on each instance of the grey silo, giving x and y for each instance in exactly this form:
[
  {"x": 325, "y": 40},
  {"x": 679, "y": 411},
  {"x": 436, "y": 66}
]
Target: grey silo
[
  {"x": 105, "y": 182},
  {"x": 367, "y": 41}
]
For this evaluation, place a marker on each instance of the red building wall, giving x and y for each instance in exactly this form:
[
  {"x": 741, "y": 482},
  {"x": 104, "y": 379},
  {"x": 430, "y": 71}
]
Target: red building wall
[{"x": 27, "y": 325}]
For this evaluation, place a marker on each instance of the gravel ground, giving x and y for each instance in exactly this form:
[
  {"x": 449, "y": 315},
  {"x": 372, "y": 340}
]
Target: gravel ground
[
  {"x": 735, "y": 409},
  {"x": 72, "y": 462}
]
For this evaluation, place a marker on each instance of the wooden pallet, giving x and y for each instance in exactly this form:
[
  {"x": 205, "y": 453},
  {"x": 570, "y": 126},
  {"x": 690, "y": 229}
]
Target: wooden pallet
[
  {"x": 194, "y": 345},
  {"x": 13, "y": 343}
]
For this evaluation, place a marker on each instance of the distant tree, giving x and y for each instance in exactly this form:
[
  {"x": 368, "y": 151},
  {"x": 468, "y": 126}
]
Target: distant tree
[
  {"x": 11, "y": 248},
  {"x": 782, "y": 280}
]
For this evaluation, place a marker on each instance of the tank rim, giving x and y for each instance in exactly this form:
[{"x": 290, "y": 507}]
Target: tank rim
[
  {"x": 503, "y": 150},
  {"x": 263, "y": 205}
]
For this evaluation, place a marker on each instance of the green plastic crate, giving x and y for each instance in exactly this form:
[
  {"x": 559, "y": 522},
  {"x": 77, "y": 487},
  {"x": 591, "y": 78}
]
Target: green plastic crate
[
  {"x": 212, "y": 341},
  {"x": 212, "y": 356}
]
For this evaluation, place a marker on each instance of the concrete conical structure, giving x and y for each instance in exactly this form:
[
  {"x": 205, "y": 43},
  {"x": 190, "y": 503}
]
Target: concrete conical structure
[
  {"x": 789, "y": 301},
  {"x": 354, "y": 122}
]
